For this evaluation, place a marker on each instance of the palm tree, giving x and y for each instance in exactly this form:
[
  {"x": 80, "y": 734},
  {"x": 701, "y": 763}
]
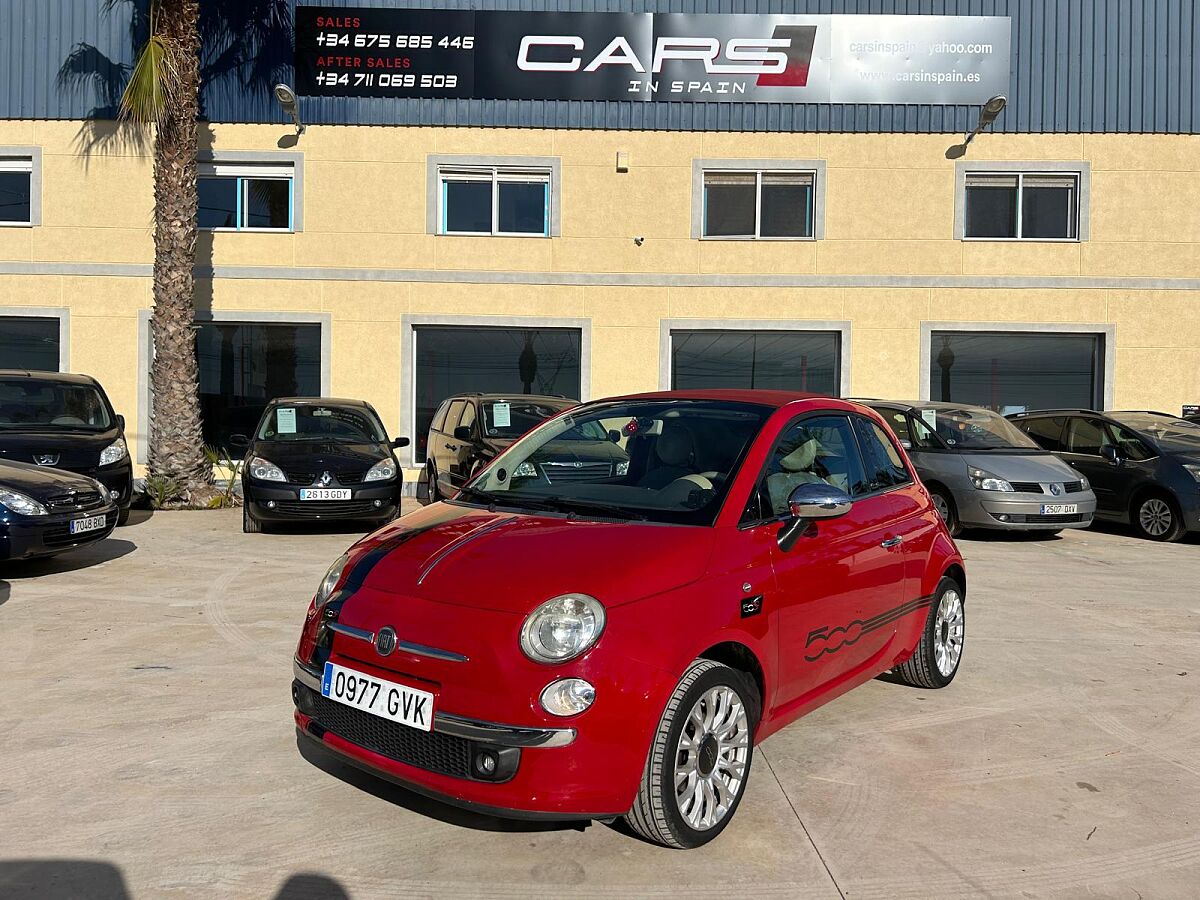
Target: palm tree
[{"x": 163, "y": 93}]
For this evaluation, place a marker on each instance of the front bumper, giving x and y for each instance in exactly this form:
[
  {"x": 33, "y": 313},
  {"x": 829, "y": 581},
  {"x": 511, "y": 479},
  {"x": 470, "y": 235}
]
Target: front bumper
[
  {"x": 276, "y": 502},
  {"x": 27, "y": 537},
  {"x": 1023, "y": 511}
]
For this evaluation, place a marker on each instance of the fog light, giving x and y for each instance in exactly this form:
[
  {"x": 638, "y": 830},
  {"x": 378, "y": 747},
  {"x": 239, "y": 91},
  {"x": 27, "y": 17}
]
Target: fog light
[
  {"x": 1003, "y": 517},
  {"x": 114, "y": 495},
  {"x": 270, "y": 504},
  {"x": 377, "y": 503},
  {"x": 567, "y": 697},
  {"x": 485, "y": 763}
]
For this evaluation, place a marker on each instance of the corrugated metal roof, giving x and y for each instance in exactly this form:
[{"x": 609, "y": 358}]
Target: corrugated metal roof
[{"x": 1078, "y": 66}]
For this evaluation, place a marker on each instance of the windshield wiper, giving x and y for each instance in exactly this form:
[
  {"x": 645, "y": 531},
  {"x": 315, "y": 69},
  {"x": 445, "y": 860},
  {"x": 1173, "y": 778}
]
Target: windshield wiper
[{"x": 610, "y": 509}]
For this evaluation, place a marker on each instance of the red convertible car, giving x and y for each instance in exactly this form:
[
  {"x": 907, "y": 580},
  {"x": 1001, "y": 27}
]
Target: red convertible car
[{"x": 561, "y": 644}]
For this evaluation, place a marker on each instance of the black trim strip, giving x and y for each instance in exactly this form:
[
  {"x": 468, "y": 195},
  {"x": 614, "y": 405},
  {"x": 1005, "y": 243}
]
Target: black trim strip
[{"x": 858, "y": 628}]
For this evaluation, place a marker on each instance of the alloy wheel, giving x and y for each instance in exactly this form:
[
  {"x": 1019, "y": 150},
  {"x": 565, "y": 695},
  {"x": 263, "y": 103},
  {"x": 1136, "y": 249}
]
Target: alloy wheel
[
  {"x": 711, "y": 758},
  {"x": 948, "y": 633},
  {"x": 942, "y": 507},
  {"x": 1155, "y": 517}
]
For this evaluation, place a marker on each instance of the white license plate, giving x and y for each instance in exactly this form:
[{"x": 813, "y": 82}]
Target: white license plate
[
  {"x": 91, "y": 523},
  {"x": 325, "y": 493},
  {"x": 1059, "y": 509},
  {"x": 385, "y": 699}
]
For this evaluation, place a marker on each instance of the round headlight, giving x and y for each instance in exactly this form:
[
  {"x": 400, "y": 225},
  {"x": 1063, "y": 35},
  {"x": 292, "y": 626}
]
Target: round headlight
[
  {"x": 329, "y": 582},
  {"x": 567, "y": 697},
  {"x": 562, "y": 628}
]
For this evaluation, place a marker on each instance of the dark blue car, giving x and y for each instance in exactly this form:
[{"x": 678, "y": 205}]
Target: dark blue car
[{"x": 45, "y": 511}]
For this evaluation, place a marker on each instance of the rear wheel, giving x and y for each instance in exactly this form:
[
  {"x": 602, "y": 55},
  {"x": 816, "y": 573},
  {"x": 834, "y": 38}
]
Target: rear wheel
[
  {"x": 1156, "y": 517},
  {"x": 250, "y": 525},
  {"x": 935, "y": 661},
  {"x": 944, "y": 504},
  {"x": 700, "y": 759},
  {"x": 122, "y": 516}
]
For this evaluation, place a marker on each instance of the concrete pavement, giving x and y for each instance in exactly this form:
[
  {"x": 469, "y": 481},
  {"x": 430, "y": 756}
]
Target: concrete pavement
[{"x": 148, "y": 747}]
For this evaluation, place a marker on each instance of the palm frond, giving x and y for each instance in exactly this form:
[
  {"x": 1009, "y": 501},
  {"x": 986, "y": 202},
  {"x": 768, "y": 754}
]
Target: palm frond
[{"x": 152, "y": 83}]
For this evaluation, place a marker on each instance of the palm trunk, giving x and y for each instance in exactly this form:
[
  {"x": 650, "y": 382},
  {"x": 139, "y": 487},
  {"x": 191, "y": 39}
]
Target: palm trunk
[{"x": 176, "y": 441}]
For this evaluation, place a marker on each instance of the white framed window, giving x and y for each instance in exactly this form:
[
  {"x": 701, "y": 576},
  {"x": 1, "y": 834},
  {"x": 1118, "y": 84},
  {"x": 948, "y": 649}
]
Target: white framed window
[
  {"x": 20, "y": 187},
  {"x": 247, "y": 196},
  {"x": 759, "y": 205},
  {"x": 1022, "y": 202},
  {"x": 494, "y": 200}
]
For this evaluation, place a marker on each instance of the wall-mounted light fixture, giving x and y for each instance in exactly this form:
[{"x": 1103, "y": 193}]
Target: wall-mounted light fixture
[
  {"x": 987, "y": 115},
  {"x": 291, "y": 106}
]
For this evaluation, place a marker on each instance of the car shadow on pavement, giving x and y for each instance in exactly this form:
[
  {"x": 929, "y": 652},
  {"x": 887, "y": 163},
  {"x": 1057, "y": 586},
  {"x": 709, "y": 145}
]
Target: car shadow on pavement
[
  {"x": 70, "y": 879},
  {"x": 5, "y": 590},
  {"x": 71, "y": 561},
  {"x": 996, "y": 536},
  {"x": 331, "y": 764},
  {"x": 138, "y": 516}
]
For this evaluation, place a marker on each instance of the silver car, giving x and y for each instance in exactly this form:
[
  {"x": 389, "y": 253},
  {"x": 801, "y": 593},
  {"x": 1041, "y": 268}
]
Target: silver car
[{"x": 985, "y": 473}]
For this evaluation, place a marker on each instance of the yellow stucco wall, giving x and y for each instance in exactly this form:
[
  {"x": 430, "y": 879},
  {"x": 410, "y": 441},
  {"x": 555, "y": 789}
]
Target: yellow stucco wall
[{"x": 889, "y": 212}]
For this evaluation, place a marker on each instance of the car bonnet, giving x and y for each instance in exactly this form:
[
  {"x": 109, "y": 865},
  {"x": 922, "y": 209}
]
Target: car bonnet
[{"x": 1044, "y": 468}]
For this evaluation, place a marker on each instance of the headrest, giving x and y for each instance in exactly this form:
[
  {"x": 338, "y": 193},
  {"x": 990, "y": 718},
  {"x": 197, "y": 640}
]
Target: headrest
[
  {"x": 674, "y": 446},
  {"x": 802, "y": 458}
]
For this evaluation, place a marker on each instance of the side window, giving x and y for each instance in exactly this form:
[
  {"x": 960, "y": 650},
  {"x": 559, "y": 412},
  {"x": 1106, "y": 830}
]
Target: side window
[
  {"x": 468, "y": 415},
  {"x": 898, "y": 422},
  {"x": 1085, "y": 436},
  {"x": 1131, "y": 446},
  {"x": 923, "y": 436},
  {"x": 439, "y": 418},
  {"x": 452, "y": 416},
  {"x": 1047, "y": 433},
  {"x": 815, "y": 450},
  {"x": 882, "y": 465}
]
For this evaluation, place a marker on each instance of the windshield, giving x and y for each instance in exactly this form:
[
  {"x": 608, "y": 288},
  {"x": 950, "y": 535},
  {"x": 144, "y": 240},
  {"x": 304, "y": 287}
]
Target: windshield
[
  {"x": 1169, "y": 433},
  {"x": 663, "y": 461},
  {"x": 975, "y": 428},
  {"x": 347, "y": 424},
  {"x": 507, "y": 419},
  {"x": 28, "y": 404}
]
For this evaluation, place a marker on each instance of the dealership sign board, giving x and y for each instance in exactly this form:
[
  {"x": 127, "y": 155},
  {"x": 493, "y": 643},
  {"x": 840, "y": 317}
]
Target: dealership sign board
[{"x": 500, "y": 55}]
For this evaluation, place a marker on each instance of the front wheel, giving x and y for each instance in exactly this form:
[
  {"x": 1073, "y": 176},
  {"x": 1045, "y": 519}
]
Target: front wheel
[
  {"x": 935, "y": 661},
  {"x": 700, "y": 759},
  {"x": 122, "y": 516},
  {"x": 250, "y": 525},
  {"x": 943, "y": 503},
  {"x": 1156, "y": 517},
  {"x": 431, "y": 485}
]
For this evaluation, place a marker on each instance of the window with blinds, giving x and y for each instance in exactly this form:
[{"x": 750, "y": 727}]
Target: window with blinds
[
  {"x": 494, "y": 201},
  {"x": 1022, "y": 206},
  {"x": 246, "y": 196},
  {"x": 16, "y": 190},
  {"x": 758, "y": 205}
]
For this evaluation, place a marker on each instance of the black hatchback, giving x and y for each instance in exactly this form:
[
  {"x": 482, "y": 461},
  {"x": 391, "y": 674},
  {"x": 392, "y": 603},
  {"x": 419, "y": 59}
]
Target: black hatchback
[
  {"x": 319, "y": 458},
  {"x": 63, "y": 421},
  {"x": 47, "y": 511},
  {"x": 1143, "y": 466}
]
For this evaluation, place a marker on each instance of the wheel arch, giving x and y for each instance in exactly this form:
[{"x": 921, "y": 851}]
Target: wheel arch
[
  {"x": 1148, "y": 489},
  {"x": 957, "y": 573},
  {"x": 738, "y": 656}
]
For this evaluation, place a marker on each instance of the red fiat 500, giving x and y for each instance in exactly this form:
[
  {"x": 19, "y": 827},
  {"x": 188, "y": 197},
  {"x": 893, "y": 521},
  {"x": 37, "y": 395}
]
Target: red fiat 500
[{"x": 610, "y": 638}]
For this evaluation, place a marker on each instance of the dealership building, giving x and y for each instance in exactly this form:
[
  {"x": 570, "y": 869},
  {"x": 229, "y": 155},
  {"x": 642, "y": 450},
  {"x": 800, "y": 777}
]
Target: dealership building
[{"x": 651, "y": 195}]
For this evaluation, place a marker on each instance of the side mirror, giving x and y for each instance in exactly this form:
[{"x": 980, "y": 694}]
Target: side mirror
[
  {"x": 462, "y": 433},
  {"x": 400, "y": 442},
  {"x": 120, "y": 422},
  {"x": 1112, "y": 454},
  {"x": 239, "y": 440},
  {"x": 809, "y": 503}
]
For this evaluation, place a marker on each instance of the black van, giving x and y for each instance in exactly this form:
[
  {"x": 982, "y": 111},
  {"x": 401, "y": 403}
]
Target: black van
[{"x": 63, "y": 421}]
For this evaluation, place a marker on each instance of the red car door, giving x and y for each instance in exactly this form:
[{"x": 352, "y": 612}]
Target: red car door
[{"x": 840, "y": 584}]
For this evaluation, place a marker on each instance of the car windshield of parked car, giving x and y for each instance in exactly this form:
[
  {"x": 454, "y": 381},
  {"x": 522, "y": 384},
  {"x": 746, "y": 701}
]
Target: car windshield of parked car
[
  {"x": 668, "y": 461},
  {"x": 975, "y": 428},
  {"x": 508, "y": 419},
  {"x": 27, "y": 404},
  {"x": 345, "y": 424},
  {"x": 1169, "y": 433}
]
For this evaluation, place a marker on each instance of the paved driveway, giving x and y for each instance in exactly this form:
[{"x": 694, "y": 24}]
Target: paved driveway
[{"x": 148, "y": 748}]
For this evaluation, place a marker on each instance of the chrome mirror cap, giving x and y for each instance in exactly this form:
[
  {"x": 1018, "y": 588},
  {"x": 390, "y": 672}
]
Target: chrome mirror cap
[{"x": 818, "y": 501}]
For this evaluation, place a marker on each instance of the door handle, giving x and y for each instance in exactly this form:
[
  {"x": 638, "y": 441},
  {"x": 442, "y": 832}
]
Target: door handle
[
  {"x": 892, "y": 542},
  {"x": 452, "y": 446}
]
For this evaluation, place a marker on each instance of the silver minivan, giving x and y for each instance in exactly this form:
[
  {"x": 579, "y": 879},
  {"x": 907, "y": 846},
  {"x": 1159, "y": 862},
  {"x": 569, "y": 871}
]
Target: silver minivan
[{"x": 983, "y": 472}]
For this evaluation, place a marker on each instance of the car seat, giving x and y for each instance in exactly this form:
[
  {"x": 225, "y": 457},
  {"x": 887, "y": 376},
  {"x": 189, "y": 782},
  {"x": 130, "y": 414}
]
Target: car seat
[
  {"x": 796, "y": 469},
  {"x": 675, "y": 452}
]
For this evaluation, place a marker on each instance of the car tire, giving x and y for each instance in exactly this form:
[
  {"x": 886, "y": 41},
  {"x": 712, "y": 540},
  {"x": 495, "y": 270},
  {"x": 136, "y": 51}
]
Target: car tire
[
  {"x": 1156, "y": 517},
  {"x": 943, "y": 503},
  {"x": 938, "y": 655},
  {"x": 431, "y": 486},
  {"x": 717, "y": 763},
  {"x": 250, "y": 525},
  {"x": 122, "y": 515}
]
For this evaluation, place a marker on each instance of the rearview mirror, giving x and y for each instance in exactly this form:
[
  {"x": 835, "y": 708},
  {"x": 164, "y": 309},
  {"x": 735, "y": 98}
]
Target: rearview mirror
[
  {"x": 1112, "y": 454},
  {"x": 808, "y": 503},
  {"x": 462, "y": 433},
  {"x": 400, "y": 442},
  {"x": 239, "y": 440},
  {"x": 614, "y": 435}
]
